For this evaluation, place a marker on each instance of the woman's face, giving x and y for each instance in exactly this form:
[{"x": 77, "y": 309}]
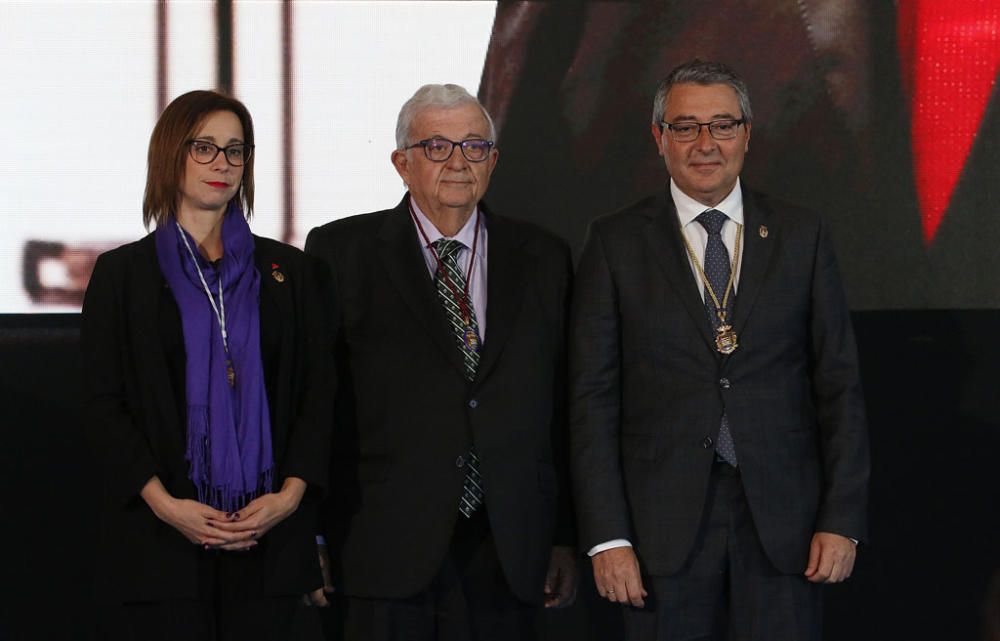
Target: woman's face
[{"x": 210, "y": 186}]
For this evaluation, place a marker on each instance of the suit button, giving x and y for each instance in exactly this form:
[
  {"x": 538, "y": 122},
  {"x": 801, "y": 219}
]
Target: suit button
[
  {"x": 473, "y": 403},
  {"x": 708, "y": 442},
  {"x": 460, "y": 462},
  {"x": 724, "y": 383}
]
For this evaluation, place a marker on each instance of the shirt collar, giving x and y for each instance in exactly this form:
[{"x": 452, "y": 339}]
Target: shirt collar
[
  {"x": 465, "y": 235},
  {"x": 688, "y": 208}
]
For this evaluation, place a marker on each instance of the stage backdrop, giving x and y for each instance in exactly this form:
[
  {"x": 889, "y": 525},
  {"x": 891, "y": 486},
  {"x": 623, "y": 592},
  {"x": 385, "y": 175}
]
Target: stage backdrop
[
  {"x": 85, "y": 81},
  {"x": 883, "y": 115},
  {"x": 839, "y": 89}
]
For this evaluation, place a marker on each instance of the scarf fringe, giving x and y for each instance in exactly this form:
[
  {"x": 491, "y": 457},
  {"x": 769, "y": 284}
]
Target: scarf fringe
[
  {"x": 229, "y": 499},
  {"x": 199, "y": 456}
]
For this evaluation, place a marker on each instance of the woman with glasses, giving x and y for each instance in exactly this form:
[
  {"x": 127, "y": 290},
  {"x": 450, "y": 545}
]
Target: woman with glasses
[{"x": 206, "y": 350}]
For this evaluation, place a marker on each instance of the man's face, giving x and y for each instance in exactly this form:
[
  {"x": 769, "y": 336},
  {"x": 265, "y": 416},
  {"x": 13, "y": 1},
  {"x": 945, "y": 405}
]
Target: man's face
[
  {"x": 455, "y": 184},
  {"x": 705, "y": 169}
]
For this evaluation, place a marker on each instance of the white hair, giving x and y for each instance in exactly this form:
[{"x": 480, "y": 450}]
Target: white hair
[{"x": 441, "y": 96}]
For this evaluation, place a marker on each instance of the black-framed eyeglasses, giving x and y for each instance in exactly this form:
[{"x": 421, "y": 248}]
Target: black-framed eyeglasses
[
  {"x": 204, "y": 152},
  {"x": 441, "y": 149},
  {"x": 688, "y": 131}
]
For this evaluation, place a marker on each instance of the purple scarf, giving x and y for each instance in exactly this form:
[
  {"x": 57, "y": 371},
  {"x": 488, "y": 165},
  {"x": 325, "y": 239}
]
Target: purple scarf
[{"x": 228, "y": 428}]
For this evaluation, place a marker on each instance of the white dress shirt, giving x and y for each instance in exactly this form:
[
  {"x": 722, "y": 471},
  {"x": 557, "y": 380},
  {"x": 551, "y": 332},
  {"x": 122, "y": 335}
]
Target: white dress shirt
[
  {"x": 466, "y": 236},
  {"x": 688, "y": 209}
]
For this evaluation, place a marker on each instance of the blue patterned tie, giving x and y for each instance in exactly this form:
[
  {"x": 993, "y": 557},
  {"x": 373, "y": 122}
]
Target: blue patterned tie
[
  {"x": 447, "y": 251},
  {"x": 718, "y": 269}
]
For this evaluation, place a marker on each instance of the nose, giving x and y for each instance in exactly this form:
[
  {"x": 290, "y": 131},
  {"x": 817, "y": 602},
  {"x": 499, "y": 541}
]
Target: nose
[
  {"x": 220, "y": 163},
  {"x": 704, "y": 141},
  {"x": 457, "y": 161}
]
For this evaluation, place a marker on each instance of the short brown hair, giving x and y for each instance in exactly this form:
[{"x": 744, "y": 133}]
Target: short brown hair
[{"x": 168, "y": 151}]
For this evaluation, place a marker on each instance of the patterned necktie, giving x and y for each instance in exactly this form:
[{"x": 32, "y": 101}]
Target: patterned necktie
[
  {"x": 717, "y": 270},
  {"x": 447, "y": 289}
]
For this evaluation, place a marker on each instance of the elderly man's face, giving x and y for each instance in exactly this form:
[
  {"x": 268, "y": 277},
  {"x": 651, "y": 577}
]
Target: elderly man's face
[
  {"x": 705, "y": 169},
  {"x": 455, "y": 184}
]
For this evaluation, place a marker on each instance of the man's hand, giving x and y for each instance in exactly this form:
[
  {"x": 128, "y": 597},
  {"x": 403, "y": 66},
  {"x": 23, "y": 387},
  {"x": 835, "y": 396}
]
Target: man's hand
[
  {"x": 318, "y": 596},
  {"x": 561, "y": 579},
  {"x": 616, "y": 575},
  {"x": 831, "y": 558}
]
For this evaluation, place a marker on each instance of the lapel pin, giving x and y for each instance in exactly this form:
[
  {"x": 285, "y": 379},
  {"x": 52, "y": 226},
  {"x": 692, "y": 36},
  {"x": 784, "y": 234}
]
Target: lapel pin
[
  {"x": 763, "y": 231},
  {"x": 278, "y": 276}
]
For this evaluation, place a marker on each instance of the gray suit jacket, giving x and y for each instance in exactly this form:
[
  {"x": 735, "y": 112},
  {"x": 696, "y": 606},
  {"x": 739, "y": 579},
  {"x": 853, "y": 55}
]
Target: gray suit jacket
[{"x": 648, "y": 388}]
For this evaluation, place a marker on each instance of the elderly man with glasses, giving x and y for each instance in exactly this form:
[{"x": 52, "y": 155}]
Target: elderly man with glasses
[{"x": 450, "y": 441}]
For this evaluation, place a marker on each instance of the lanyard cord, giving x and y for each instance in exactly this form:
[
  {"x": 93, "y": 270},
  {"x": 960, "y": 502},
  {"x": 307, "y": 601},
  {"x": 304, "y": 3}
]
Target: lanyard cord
[{"x": 220, "y": 309}]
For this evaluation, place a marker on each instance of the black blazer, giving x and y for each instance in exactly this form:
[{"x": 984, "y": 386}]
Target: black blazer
[
  {"x": 648, "y": 388},
  {"x": 406, "y": 413},
  {"x": 133, "y": 352}
]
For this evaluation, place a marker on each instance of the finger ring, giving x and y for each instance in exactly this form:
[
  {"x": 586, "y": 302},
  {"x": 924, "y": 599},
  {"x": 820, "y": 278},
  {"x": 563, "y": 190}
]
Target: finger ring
[{"x": 610, "y": 590}]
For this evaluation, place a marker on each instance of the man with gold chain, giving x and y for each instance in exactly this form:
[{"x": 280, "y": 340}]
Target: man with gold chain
[{"x": 719, "y": 443}]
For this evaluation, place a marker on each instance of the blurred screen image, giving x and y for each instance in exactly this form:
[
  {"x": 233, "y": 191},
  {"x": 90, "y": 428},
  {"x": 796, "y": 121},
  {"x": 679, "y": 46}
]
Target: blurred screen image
[{"x": 324, "y": 83}]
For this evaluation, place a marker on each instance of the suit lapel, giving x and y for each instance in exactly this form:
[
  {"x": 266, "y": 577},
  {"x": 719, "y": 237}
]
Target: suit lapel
[
  {"x": 667, "y": 246},
  {"x": 757, "y": 251},
  {"x": 505, "y": 289},
  {"x": 148, "y": 292},
  {"x": 402, "y": 258},
  {"x": 276, "y": 309}
]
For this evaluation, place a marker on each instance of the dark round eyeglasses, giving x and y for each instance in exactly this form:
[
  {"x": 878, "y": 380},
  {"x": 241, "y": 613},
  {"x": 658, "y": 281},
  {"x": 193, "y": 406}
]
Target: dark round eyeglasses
[
  {"x": 204, "y": 152},
  {"x": 441, "y": 149}
]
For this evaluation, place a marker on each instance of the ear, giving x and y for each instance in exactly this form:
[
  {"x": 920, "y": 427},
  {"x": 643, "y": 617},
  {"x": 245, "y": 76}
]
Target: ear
[
  {"x": 492, "y": 161},
  {"x": 657, "y": 133},
  {"x": 401, "y": 163},
  {"x": 746, "y": 143}
]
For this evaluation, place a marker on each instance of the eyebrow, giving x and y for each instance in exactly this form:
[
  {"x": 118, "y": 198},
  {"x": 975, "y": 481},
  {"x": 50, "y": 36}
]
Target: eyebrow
[
  {"x": 691, "y": 118},
  {"x": 468, "y": 136},
  {"x": 212, "y": 139}
]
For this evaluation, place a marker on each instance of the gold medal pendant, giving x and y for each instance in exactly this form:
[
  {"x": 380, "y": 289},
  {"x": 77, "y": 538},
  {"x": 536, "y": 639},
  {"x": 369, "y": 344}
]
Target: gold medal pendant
[
  {"x": 725, "y": 339},
  {"x": 230, "y": 373}
]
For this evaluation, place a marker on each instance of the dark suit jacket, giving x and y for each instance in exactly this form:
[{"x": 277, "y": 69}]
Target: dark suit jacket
[
  {"x": 407, "y": 413},
  {"x": 831, "y": 129},
  {"x": 648, "y": 388},
  {"x": 133, "y": 351}
]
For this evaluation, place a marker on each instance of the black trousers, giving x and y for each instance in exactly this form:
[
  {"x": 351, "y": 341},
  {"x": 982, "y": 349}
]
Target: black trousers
[
  {"x": 728, "y": 589},
  {"x": 229, "y": 607},
  {"x": 468, "y": 600}
]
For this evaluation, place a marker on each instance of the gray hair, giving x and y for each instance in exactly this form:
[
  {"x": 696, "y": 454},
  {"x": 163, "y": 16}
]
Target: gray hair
[
  {"x": 701, "y": 73},
  {"x": 441, "y": 96}
]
